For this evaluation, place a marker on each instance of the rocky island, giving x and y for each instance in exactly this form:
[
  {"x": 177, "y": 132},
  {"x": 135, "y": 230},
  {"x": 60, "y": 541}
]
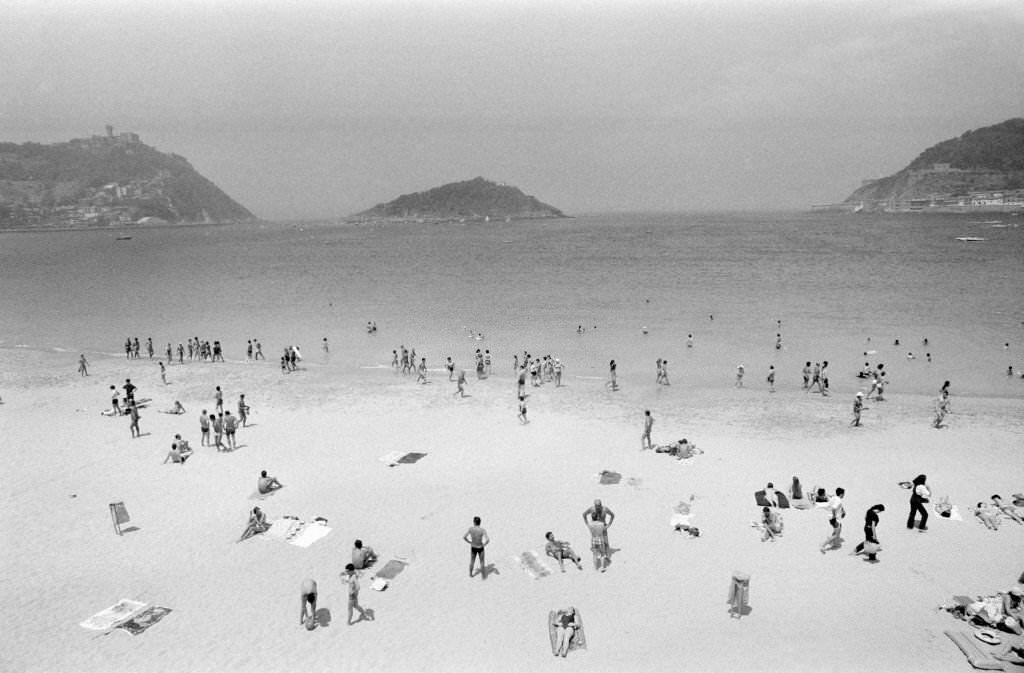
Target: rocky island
[
  {"x": 981, "y": 171},
  {"x": 470, "y": 200},
  {"x": 104, "y": 181}
]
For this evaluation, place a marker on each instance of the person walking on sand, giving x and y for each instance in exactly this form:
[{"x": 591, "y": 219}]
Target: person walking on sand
[
  {"x": 869, "y": 547},
  {"x": 739, "y": 376},
  {"x": 421, "y": 371},
  {"x": 858, "y": 406},
  {"x": 351, "y": 579},
  {"x": 163, "y": 372},
  {"x": 307, "y": 597},
  {"x": 771, "y": 378},
  {"x": 807, "y": 375},
  {"x": 243, "y": 410},
  {"x": 133, "y": 411},
  {"x": 920, "y": 495},
  {"x": 460, "y": 389},
  {"x": 522, "y": 410},
  {"x": 204, "y": 429},
  {"x": 836, "y": 515},
  {"x": 83, "y": 365},
  {"x": 941, "y": 409},
  {"x": 149, "y": 347},
  {"x": 477, "y": 539},
  {"x": 664, "y": 373},
  {"x": 645, "y": 437},
  {"x": 218, "y": 401}
]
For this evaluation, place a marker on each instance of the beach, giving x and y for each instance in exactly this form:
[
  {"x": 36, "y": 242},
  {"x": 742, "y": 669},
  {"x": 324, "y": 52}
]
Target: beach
[{"x": 322, "y": 429}]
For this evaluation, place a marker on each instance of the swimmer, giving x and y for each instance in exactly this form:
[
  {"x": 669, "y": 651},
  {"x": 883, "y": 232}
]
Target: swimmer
[{"x": 739, "y": 376}]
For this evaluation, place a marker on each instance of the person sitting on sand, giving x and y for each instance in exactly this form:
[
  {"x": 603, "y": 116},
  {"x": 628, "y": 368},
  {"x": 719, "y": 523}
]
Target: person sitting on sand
[
  {"x": 771, "y": 524},
  {"x": 796, "y": 490},
  {"x": 565, "y": 624},
  {"x": 1010, "y": 511},
  {"x": 1013, "y": 608},
  {"x": 176, "y": 455},
  {"x": 257, "y": 524},
  {"x": 680, "y": 449},
  {"x": 362, "y": 557},
  {"x": 560, "y": 550},
  {"x": 177, "y": 409},
  {"x": 267, "y": 484},
  {"x": 820, "y": 496},
  {"x": 988, "y": 514}
]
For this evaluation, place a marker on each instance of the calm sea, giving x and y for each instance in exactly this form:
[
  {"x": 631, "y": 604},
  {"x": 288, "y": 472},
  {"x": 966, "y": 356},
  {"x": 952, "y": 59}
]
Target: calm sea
[{"x": 835, "y": 281}]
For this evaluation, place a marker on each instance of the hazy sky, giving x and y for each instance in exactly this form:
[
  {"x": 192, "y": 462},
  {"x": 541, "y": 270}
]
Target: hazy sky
[{"x": 321, "y": 109}]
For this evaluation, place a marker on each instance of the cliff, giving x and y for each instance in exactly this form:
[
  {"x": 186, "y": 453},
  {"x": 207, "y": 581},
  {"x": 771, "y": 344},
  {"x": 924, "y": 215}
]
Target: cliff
[
  {"x": 980, "y": 168},
  {"x": 105, "y": 180},
  {"x": 476, "y": 199}
]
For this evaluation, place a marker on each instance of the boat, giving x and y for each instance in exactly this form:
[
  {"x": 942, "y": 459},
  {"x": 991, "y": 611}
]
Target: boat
[
  {"x": 123, "y": 238},
  {"x": 970, "y": 239}
]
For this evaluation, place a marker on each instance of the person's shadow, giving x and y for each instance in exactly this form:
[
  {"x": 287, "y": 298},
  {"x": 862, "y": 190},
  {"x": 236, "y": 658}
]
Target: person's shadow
[
  {"x": 323, "y": 617},
  {"x": 487, "y": 571}
]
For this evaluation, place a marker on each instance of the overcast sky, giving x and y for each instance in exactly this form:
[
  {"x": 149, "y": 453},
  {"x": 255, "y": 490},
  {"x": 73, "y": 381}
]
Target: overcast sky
[{"x": 321, "y": 109}]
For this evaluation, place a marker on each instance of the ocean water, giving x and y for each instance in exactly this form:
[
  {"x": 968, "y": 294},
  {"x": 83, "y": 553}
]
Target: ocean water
[{"x": 840, "y": 284}]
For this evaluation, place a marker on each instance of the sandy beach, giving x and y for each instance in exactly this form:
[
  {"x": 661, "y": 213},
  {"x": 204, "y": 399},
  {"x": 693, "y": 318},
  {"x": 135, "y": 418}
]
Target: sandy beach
[{"x": 661, "y": 605}]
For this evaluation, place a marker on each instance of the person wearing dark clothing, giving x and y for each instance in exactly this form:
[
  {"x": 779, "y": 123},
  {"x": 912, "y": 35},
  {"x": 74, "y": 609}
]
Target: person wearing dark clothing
[
  {"x": 869, "y": 546},
  {"x": 919, "y": 497}
]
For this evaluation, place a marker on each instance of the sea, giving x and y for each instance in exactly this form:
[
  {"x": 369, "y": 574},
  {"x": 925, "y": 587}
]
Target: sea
[{"x": 629, "y": 287}]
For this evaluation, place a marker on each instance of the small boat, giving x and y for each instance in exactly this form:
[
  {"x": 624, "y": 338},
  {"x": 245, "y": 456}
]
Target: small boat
[
  {"x": 969, "y": 239},
  {"x": 123, "y": 238}
]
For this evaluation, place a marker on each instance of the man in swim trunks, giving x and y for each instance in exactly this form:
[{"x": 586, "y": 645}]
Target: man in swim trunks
[
  {"x": 307, "y": 597},
  {"x": 129, "y": 391},
  {"x": 645, "y": 438},
  {"x": 243, "y": 410},
  {"x": 559, "y": 550},
  {"x": 204, "y": 429},
  {"x": 477, "y": 539},
  {"x": 218, "y": 400},
  {"x": 114, "y": 402},
  {"x": 229, "y": 429},
  {"x": 267, "y": 484},
  {"x": 218, "y": 431},
  {"x": 133, "y": 411},
  {"x": 350, "y": 578},
  {"x": 362, "y": 556}
]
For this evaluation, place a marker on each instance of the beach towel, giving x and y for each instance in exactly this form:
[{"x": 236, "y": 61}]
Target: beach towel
[
  {"x": 763, "y": 501},
  {"x": 282, "y": 528},
  {"x": 391, "y": 459},
  {"x": 608, "y": 477},
  {"x": 579, "y": 638},
  {"x": 309, "y": 534},
  {"x": 976, "y": 657},
  {"x": 117, "y": 613},
  {"x": 391, "y": 569},
  {"x": 532, "y": 564},
  {"x": 411, "y": 457},
  {"x": 379, "y": 584},
  {"x": 145, "y": 619}
]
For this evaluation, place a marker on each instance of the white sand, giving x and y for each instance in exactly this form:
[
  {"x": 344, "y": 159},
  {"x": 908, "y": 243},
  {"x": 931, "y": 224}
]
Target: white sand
[{"x": 660, "y": 607}]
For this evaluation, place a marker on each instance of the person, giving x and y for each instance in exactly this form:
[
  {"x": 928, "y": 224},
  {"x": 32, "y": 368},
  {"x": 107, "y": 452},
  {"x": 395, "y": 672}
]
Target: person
[
  {"x": 824, "y": 378},
  {"x": 421, "y": 371},
  {"x": 257, "y": 524},
  {"x": 565, "y": 628},
  {"x": 115, "y": 406},
  {"x": 612, "y": 377},
  {"x": 815, "y": 378},
  {"x": 133, "y": 411},
  {"x": 460, "y": 385},
  {"x": 218, "y": 431},
  {"x": 362, "y": 557},
  {"x": 267, "y": 484},
  {"x": 771, "y": 378},
  {"x": 664, "y": 373},
  {"x": 689, "y": 341},
  {"x": 869, "y": 547},
  {"x": 771, "y": 524},
  {"x": 679, "y": 449},
  {"x": 1011, "y": 511},
  {"x": 988, "y": 514},
  {"x": 920, "y": 495},
  {"x": 477, "y": 539},
  {"x": 836, "y": 515},
  {"x": 645, "y": 438},
  {"x": 149, "y": 347},
  {"x": 259, "y": 352},
  {"x": 307, "y": 598},
  {"x": 351, "y": 578},
  {"x": 325, "y": 346},
  {"x": 204, "y": 428},
  {"x": 163, "y": 372},
  {"x": 944, "y": 390},
  {"x": 176, "y": 455},
  {"x": 599, "y": 519},
  {"x": 941, "y": 409},
  {"x": 771, "y": 495},
  {"x": 1013, "y": 609},
  {"x": 807, "y": 375},
  {"x": 218, "y": 401},
  {"x": 558, "y": 373},
  {"x": 229, "y": 429},
  {"x": 243, "y": 410},
  {"x": 796, "y": 490},
  {"x": 559, "y": 550},
  {"x": 858, "y": 405},
  {"x": 83, "y": 365},
  {"x": 176, "y": 409},
  {"x": 739, "y": 376},
  {"x": 449, "y": 365},
  {"x": 522, "y": 410}
]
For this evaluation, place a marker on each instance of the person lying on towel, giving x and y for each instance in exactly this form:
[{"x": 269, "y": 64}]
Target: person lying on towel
[
  {"x": 560, "y": 550},
  {"x": 257, "y": 524},
  {"x": 565, "y": 627},
  {"x": 681, "y": 449}
]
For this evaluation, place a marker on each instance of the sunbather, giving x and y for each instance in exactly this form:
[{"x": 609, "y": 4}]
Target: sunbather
[
  {"x": 175, "y": 455},
  {"x": 362, "y": 556},
  {"x": 177, "y": 409},
  {"x": 560, "y": 550},
  {"x": 565, "y": 624},
  {"x": 771, "y": 524},
  {"x": 680, "y": 449},
  {"x": 988, "y": 514},
  {"x": 267, "y": 484},
  {"x": 1013, "y": 609},
  {"x": 1010, "y": 511},
  {"x": 257, "y": 524}
]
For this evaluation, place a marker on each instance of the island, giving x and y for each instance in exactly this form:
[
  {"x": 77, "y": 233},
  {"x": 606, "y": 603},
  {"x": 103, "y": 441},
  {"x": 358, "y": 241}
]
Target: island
[
  {"x": 476, "y": 200},
  {"x": 104, "y": 181},
  {"x": 981, "y": 171}
]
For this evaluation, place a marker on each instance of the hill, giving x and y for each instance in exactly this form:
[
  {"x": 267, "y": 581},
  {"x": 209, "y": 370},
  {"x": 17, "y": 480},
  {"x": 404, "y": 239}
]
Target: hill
[
  {"x": 476, "y": 199},
  {"x": 982, "y": 169},
  {"x": 105, "y": 180}
]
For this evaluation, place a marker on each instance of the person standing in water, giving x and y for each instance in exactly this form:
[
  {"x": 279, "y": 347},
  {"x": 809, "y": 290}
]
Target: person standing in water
[
  {"x": 771, "y": 378},
  {"x": 739, "y": 376},
  {"x": 858, "y": 405},
  {"x": 83, "y": 365}
]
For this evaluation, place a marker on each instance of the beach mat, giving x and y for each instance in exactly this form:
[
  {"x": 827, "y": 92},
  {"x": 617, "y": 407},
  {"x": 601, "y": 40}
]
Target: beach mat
[
  {"x": 145, "y": 619},
  {"x": 763, "y": 502},
  {"x": 117, "y": 613},
  {"x": 309, "y": 534},
  {"x": 532, "y": 564},
  {"x": 976, "y": 657},
  {"x": 391, "y": 569},
  {"x": 579, "y": 639},
  {"x": 410, "y": 458},
  {"x": 609, "y": 477}
]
